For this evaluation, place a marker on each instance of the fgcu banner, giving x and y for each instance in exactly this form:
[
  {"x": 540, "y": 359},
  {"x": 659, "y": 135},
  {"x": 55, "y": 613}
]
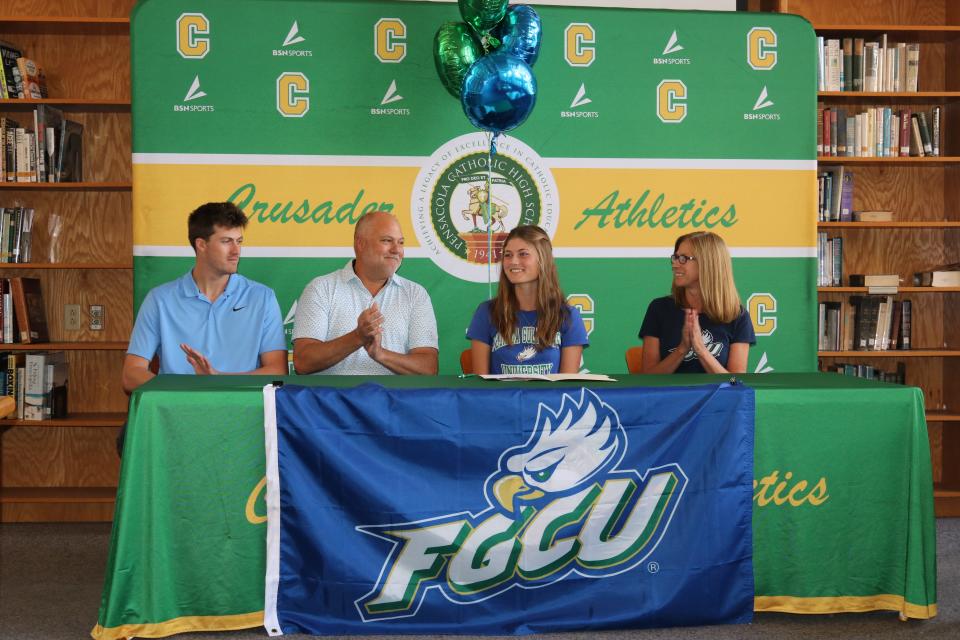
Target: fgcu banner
[
  {"x": 507, "y": 511},
  {"x": 648, "y": 125}
]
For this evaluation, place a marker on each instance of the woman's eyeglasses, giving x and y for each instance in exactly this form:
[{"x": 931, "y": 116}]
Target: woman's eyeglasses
[{"x": 679, "y": 257}]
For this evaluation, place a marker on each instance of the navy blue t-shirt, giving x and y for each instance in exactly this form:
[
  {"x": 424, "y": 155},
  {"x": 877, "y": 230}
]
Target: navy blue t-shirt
[{"x": 664, "y": 320}]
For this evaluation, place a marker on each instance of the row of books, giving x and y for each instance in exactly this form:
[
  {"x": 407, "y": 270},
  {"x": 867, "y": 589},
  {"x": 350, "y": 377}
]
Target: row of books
[
  {"x": 878, "y": 132},
  {"x": 16, "y": 234},
  {"x": 869, "y": 371},
  {"x": 23, "y": 317},
  {"x": 20, "y": 77},
  {"x": 852, "y": 64},
  {"x": 38, "y": 382},
  {"x": 50, "y": 151},
  {"x": 835, "y": 186},
  {"x": 829, "y": 260},
  {"x": 865, "y": 323}
]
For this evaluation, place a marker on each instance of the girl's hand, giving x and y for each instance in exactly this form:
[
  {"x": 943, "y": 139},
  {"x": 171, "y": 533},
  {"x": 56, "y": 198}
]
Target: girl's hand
[{"x": 686, "y": 341}]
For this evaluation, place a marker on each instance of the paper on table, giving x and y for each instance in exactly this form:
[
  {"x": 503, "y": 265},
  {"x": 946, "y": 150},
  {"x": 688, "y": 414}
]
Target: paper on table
[{"x": 550, "y": 377}]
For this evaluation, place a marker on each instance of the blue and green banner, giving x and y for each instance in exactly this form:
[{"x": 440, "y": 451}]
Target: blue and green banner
[
  {"x": 648, "y": 124},
  {"x": 506, "y": 510}
]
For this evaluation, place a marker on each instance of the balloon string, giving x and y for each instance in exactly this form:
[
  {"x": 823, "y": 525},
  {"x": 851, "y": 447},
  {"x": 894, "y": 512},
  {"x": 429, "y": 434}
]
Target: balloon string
[{"x": 491, "y": 149}]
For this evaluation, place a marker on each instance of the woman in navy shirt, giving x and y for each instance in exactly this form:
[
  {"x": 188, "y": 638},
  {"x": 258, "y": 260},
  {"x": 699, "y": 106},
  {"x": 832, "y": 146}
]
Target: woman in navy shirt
[
  {"x": 528, "y": 328},
  {"x": 701, "y": 327}
]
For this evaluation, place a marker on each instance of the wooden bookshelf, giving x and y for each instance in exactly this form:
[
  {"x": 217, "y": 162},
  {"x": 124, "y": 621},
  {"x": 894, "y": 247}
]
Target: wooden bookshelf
[
  {"x": 68, "y": 469},
  {"x": 923, "y": 193}
]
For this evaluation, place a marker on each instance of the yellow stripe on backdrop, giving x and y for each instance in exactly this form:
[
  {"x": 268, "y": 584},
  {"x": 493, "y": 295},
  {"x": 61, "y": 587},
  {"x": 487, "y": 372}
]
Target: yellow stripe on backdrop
[{"x": 315, "y": 206}]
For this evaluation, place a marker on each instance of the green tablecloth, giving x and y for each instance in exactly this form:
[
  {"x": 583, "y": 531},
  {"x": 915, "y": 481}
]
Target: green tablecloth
[{"x": 843, "y": 501}]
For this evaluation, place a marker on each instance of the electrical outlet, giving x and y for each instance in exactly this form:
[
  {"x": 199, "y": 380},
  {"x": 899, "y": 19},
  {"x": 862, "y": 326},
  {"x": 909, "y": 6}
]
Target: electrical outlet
[
  {"x": 96, "y": 317},
  {"x": 71, "y": 317}
]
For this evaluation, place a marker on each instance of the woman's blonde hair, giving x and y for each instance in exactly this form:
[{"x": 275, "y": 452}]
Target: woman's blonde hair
[
  {"x": 551, "y": 303},
  {"x": 718, "y": 291}
]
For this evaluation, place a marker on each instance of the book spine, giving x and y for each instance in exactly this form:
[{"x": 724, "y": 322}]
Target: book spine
[
  {"x": 847, "y": 64},
  {"x": 35, "y": 386},
  {"x": 821, "y": 68},
  {"x": 935, "y": 133},
  {"x": 905, "y": 324},
  {"x": 857, "y": 64},
  {"x": 837, "y": 271},
  {"x": 905, "y": 132},
  {"x": 820, "y": 130},
  {"x": 925, "y": 133}
]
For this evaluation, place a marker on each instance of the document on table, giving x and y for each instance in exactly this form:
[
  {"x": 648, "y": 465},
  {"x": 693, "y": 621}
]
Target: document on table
[{"x": 550, "y": 377}]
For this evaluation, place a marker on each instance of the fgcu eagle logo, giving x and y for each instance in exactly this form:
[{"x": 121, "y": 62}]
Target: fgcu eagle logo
[{"x": 559, "y": 505}]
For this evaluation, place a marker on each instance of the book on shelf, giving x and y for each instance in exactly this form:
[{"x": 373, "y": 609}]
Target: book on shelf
[
  {"x": 29, "y": 308},
  {"x": 874, "y": 280},
  {"x": 8, "y": 63},
  {"x": 851, "y": 63},
  {"x": 70, "y": 163},
  {"x": 877, "y": 131},
  {"x": 50, "y": 121},
  {"x": 873, "y": 216},
  {"x": 32, "y": 77},
  {"x": 925, "y": 133},
  {"x": 947, "y": 275},
  {"x": 868, "y": 371},
  {"x": 38, "y": 381},
  {"x": 16, "y": 234}
]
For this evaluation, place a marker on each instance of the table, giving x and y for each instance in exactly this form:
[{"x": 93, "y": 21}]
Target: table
[{"x": 843, "y": 502}]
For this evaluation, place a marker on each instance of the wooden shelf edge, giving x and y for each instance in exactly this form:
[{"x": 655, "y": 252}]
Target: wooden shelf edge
[
  {"x": 64, "y": 265},
  {"x": 79, "y": 419},
  {"x": 946, "y": 503},
  {"x": 67, "y": 104},
  {"x": 942, "y": 416},
  {"x": 890, "y": 160},
  {"x": 894, "y": 353},
  {"x": 58, "y": 495},
  {"x": 67, "y": 186},
  {"x": 899, "y": 290},
  {"x": 900, "y": 95},
  {"x": 65, "y": 346},
  {"x": 945, "y": 28}
]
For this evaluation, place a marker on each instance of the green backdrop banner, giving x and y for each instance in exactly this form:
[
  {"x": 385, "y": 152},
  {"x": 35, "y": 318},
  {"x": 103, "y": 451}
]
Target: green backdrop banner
[
  {"x": 188, "y": 549},
  {"x": 648, "y": 124}
]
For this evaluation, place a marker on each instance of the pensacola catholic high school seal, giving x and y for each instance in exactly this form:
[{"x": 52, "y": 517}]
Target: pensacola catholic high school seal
[{"x": 461, "y": 221}]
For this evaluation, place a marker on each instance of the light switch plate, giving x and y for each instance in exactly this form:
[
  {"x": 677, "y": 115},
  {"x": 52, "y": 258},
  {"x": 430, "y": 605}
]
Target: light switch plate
[{"x": 71, "y": 317}]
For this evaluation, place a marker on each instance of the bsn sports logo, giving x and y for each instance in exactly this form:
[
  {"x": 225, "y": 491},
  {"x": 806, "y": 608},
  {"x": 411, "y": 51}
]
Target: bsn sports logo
[
  {"x": 194, "y": 93},
  {"x": 461, "y": 221},
  {"x": 673, "y": 46},
  {"x": 580, "y": 100},
  {"x": 763, "y": 102},
  {"x": 391, "y": 96},
  {"x": 293, "y": 37},
  {"x": 559, "y": 505}
]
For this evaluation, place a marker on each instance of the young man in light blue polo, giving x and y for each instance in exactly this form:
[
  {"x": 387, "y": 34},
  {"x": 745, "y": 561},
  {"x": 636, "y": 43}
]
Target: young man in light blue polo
[{"x": 211, "y": 320}]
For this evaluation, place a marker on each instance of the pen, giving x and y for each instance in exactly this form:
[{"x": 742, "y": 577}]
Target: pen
[{"x": 467, "y": 375}]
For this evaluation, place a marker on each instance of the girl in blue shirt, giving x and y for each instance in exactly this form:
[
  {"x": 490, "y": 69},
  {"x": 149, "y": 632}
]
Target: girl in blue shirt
[
  {"x": 701, "y": 327},
  {"x": 528, "y": 328}
]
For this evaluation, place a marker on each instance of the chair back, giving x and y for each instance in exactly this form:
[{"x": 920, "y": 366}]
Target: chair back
[
  {"x": 466, "y": 361},
  {"x": 634, "y": 357}
]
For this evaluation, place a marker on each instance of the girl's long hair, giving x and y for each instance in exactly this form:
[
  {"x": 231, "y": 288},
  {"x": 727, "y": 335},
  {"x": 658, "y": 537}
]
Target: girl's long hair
[
  {"x": 551, "y": 303},
  {"x": 718, "y": 291}
]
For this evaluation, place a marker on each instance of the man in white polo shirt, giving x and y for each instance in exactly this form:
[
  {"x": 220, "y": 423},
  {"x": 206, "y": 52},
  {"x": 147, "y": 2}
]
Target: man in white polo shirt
[
  {"x": 364, "y": 319},
  {"x": 210, "y": 320}
]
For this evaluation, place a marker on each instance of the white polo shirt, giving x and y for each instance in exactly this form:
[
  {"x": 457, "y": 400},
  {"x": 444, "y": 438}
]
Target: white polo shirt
[{"x": 330, "y": 305}]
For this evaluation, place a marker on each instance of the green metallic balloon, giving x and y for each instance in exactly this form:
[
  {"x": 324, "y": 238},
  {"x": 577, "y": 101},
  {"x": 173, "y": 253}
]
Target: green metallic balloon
[
  {"x": 455, "y": 48},
  {"x": 483, "y": 15}
]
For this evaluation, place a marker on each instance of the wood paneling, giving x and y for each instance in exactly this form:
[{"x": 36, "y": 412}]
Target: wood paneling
[
  {"x": 99, "y": 8},
  {"x": 905, "y": 12},
  {"x": 41, "y": 457}
]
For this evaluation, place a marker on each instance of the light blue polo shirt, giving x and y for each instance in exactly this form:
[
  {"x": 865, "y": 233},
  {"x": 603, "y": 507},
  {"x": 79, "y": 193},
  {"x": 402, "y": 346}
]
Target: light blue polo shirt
[{"x": 231, "y": 332}]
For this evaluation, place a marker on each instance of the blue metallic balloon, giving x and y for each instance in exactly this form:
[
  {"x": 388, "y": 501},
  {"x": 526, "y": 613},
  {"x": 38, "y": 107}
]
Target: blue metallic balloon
[
  {"x": 499, "y": 92},
  {"x": 519, "y": 33}
]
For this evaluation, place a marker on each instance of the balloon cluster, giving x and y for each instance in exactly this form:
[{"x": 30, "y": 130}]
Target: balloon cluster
[{"x": 486, "y": 62}]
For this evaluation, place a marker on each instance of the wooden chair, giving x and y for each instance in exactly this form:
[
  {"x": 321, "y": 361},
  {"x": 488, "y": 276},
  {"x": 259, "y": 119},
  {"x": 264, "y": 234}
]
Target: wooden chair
[
  {"x": 466, "y": 361},
  {"x": 634, "y": 357}
]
